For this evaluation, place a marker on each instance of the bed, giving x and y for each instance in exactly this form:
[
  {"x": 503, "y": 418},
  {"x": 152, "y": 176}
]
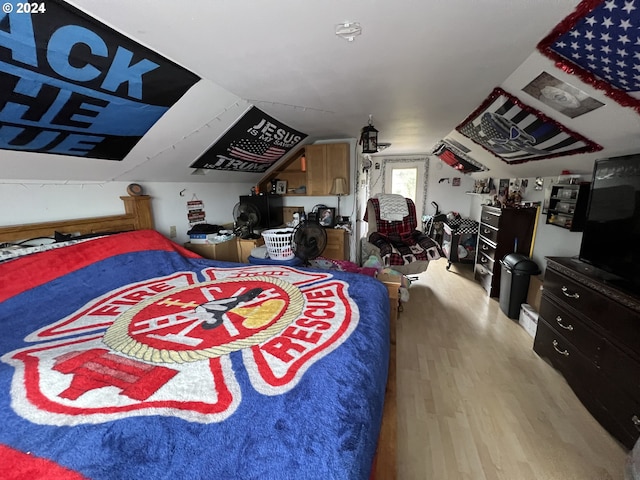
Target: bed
[{"x": 128, "y": 356}]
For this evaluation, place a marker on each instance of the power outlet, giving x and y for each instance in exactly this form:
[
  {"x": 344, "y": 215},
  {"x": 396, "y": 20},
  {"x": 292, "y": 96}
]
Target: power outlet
[{"x": 172, "y": 231}]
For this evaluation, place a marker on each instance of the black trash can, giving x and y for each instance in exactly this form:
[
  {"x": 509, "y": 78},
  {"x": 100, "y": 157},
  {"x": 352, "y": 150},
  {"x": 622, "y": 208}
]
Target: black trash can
[{"x": 514, "y": 282}]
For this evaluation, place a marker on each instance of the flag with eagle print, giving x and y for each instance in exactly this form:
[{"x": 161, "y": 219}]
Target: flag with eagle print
[{"x": 517, "y": 133}]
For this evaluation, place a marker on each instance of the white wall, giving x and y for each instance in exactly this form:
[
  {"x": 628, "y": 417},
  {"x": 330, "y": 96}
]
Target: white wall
[
  {"x": 550, "y": 241},
  {"x": 38, "y": 202}
]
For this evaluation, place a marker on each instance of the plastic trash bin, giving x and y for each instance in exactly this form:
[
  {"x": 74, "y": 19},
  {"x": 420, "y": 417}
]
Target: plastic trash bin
[{"x": 514, "y": 282}]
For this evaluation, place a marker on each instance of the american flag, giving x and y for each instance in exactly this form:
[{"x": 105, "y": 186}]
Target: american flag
[
  {"x": 601, "y": 44},
  {"x": 517, "y": 133},
  {"x": 255, "y": 151}
]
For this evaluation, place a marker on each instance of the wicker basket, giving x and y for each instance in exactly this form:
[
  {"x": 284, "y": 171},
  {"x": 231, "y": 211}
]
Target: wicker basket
[{"x": 278, "y": 243}]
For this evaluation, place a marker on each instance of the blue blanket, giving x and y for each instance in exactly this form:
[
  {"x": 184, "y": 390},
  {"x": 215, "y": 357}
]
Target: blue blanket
[{"x": 126, "y": 357}]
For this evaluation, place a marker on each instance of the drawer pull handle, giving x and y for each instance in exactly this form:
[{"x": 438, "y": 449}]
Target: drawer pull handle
[
  {"x": 566, "y": 327},
  {"x": 570, "y": 295},
  {"x": 561, "y": 352},
  {"x": 636, "y": 421}
]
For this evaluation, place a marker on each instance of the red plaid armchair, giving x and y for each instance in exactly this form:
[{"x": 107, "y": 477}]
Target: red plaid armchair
[{"x": 398, "y": 243}]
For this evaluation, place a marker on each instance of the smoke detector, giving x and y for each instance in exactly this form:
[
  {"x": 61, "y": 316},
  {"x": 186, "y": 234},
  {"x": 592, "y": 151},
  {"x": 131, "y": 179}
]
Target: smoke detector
[{"x": 348, "y": 30}]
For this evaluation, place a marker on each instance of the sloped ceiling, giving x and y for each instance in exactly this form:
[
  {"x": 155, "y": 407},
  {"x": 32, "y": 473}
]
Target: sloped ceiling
[{"x": 418, "y": 68}]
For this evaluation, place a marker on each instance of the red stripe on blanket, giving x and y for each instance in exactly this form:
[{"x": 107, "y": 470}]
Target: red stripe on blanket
[
  {"x": 17, "y": 465},
  {"x": 37, "y": 269}
]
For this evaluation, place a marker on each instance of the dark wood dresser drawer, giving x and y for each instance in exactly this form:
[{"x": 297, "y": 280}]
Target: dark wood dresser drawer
[
  {"x": 574, "y": 366},
  {"x": 622, "y": 368},
  {"x": 620, "y": 321},
  {"x": 483, "y": 273},
  {"x": 487, "y": 249},
  {"x": 488, "y": 232},
  {"x": 621, "y": 412},
  {"x": 579, "y": 334},
  {"x": 490, "y": 217}
]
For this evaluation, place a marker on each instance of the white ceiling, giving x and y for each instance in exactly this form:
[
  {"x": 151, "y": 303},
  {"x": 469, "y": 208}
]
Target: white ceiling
[{"x": 419, "y": 68}]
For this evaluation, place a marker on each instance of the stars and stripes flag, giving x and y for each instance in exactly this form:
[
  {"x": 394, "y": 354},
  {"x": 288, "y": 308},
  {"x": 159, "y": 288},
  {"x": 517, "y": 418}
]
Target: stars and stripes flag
[
  {"x": 600, "y": 43},
  {"x": 517, "y": 133},
  {"x": 255, "y": 151}
]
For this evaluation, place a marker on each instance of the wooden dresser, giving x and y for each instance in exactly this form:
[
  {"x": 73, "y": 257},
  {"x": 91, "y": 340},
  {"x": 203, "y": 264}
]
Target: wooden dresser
[
  {"x": 337, "y": 244},
  {"x": 590, "y": 332},
  {"x": 502, "y": 231}
]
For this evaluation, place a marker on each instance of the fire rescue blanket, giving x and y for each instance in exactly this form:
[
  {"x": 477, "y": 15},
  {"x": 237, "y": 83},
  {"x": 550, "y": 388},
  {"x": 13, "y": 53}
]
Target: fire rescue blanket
[{"x": 128, "y": 357}]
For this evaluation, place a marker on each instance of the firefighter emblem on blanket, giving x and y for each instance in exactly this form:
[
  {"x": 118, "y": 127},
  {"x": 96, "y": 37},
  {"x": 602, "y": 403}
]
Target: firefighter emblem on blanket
[{"x": 165, "y": 346}]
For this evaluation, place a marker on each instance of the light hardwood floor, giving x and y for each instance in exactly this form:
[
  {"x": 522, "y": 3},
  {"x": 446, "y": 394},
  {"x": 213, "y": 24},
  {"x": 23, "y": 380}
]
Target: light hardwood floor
[{"x": 474, "y": 400}]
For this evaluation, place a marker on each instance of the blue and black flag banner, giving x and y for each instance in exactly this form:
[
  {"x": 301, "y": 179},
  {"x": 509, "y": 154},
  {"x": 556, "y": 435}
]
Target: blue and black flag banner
[
  {"x": 254, "y": 143},
  {"x": 70, "y": 85},
  {"x": 517, "y": 133}
]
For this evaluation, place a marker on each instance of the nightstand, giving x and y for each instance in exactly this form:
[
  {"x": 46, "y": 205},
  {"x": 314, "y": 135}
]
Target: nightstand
[{"x": 337, "y": 244}]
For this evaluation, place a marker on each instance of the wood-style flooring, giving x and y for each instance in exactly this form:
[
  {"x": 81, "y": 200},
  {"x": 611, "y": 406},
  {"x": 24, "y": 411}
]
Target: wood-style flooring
[{"x": 475, "y": 402}]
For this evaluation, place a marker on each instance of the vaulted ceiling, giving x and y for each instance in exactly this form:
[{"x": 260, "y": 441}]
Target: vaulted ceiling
[{"x": 419, "y": 68}]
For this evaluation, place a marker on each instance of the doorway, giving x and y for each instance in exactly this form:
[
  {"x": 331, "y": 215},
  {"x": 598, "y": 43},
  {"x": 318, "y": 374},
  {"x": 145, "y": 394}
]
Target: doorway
[{"x": 407, "y": 177}]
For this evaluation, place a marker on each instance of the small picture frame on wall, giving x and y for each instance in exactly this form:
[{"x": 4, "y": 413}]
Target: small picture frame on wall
[
  {"x": 327, "y": 217},
  {"x": 281, "y": 187}
]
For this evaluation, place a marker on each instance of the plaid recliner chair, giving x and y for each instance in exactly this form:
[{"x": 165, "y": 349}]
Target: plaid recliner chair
[{"x": 399, "y": 244}]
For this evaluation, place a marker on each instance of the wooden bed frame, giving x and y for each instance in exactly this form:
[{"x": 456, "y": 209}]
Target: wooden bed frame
[{"x": 138, "y": 216}]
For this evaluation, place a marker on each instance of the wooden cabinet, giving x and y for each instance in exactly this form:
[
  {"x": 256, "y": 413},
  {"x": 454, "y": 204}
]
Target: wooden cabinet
[
  {"x": 313, "y": 167},
  {"x": 225, "y": 251},
  {"x": 324, "y": 163},
  {"x": 502, "y": 231},
  {"x": 245, "y": 245},
  {"x": 568, "y": 206},
  {"x": 590, "y": 332},
  {"x": 337, "y": 244}
]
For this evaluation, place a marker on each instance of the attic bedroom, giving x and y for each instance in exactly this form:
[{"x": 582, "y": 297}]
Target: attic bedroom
[{"x": 289, "y": 240}]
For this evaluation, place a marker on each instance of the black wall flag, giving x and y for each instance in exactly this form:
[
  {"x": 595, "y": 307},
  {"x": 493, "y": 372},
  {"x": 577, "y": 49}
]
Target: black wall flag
[
  {"x": 252, "y": 144},
  {"x": 70, "y": 85}
]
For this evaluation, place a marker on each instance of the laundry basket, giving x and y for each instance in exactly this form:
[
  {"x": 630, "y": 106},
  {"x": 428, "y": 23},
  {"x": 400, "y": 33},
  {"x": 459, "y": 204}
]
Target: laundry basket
[{"x": 278, "y": 243}]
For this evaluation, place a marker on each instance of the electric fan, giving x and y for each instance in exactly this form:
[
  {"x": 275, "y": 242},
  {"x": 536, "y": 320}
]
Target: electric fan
[
  {"x": 308, "y": 241},
  {"x": 246, "y": 216}
]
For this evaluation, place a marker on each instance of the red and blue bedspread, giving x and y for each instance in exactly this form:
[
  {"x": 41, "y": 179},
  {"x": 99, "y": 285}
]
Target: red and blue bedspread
[{"x": 126, "y": 357}]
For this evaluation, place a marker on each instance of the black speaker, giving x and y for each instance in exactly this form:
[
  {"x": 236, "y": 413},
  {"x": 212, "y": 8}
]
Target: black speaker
[{"x": 270, "y": 208}]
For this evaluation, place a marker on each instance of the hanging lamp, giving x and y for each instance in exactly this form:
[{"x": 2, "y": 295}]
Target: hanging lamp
[{"x": 369, "y": 138}]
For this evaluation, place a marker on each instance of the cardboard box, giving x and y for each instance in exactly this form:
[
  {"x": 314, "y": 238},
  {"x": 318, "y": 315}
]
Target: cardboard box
[
  {"x": 225, "y": 251},
  {"x": 528, "y": 319},
  {"x": 534, "y": 295}
]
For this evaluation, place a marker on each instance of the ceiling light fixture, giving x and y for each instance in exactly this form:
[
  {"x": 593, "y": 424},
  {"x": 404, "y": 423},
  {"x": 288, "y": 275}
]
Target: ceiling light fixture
[
  {"x": 369, "y": 138},
  {"x": 348, "y": 30}
]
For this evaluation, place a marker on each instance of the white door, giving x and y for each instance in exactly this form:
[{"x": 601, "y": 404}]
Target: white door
[{"x": 407, "y": 178}]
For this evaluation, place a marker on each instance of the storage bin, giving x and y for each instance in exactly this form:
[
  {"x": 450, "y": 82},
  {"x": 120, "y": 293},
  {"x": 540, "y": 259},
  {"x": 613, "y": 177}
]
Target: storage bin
[{"x": 528, "y": 319}]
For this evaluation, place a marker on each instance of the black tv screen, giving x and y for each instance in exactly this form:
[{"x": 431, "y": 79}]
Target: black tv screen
[{"x": 611, "y": 237}]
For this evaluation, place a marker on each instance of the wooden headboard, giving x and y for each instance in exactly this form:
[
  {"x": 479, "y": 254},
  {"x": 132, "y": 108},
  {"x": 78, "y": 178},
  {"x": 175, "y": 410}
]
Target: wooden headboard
[{"x": 137, "y": 216}]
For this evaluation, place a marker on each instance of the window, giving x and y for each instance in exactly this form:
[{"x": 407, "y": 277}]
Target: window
[{"x": 403, "y": 181}]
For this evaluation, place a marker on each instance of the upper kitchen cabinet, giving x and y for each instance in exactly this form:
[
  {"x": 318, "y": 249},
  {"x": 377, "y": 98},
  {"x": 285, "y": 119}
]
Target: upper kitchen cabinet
[{"x": 313, "y": 167}]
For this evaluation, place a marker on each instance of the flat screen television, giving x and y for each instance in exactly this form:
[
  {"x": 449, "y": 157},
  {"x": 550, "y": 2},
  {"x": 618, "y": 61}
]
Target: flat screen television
[{"x": 611, "y": 236}]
